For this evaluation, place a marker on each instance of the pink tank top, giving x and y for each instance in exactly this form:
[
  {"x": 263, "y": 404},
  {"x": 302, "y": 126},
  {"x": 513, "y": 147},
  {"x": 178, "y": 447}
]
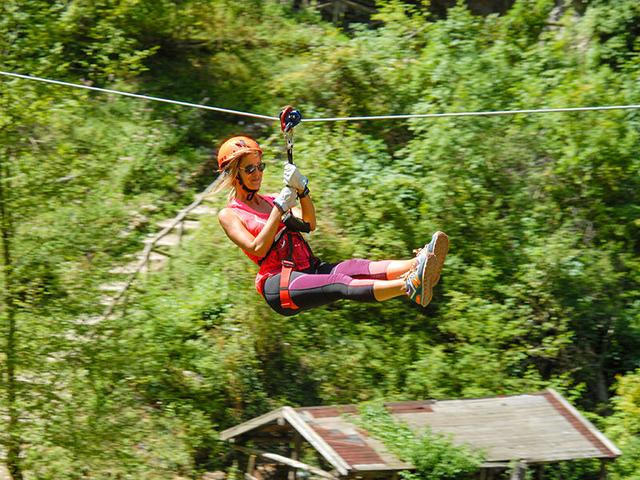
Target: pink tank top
[{"x": 254, "y": 222}]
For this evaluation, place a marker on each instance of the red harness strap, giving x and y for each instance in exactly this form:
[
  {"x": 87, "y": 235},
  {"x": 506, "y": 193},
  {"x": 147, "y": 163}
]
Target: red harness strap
[{"x": 285, "y": 277}]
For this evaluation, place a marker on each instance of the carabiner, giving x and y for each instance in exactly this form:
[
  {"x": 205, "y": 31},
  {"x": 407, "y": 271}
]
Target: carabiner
[{"x": 289, "y": 118}]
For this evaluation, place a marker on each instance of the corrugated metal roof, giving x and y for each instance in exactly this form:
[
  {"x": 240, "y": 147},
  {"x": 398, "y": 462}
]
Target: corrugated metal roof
[
  {"x": 538, "y": 427},
  {"x": 350, "y": 445}
]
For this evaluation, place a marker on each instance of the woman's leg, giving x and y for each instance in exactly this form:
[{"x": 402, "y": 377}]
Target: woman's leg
[
  {"x": 387, "y": 289},
  {"x": 375, "y": 270},
  {"x": 399, "y": 268},
  {"x": 390, "y": 269},
  {"x": 309, "y": 290}
]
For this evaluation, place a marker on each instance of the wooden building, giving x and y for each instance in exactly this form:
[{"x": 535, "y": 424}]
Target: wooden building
[{"x": 517, "y": 432}]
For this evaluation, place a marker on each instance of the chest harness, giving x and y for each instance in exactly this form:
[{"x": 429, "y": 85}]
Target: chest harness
[{"x": 289, "y": 118}]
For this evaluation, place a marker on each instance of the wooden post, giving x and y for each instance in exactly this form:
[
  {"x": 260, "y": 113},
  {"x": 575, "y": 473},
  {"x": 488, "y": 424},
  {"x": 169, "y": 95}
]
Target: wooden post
[
  {"x": 518, "y": 471},
  {"x": 240, "y": 462},
  {"x": 337, "y": 10},
  {"x": 294, "y": 453},
  {"x": 603, "y": 470},
  {"x": 181, "y": 228},
  {"x": 297, "y": 446},
  {"x": 251, "y": 465}
]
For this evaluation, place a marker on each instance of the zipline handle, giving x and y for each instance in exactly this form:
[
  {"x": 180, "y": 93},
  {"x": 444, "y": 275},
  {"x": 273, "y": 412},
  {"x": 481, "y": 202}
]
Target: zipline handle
[{"x": 289, "y": 118}]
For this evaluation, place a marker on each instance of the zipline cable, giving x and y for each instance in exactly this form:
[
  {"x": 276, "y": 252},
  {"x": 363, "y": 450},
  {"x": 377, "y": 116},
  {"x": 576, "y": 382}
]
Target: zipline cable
[
  {"x": 135, "y": 95},
  {"x": 473, "y": 114},
  {"x": 328, "y": 119}
]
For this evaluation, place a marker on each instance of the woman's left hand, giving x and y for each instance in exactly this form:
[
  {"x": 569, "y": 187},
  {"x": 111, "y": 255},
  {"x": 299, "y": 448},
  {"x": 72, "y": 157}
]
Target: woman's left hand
[{"x": 294, "y": 179}]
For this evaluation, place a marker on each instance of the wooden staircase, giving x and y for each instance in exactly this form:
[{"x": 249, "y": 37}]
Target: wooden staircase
[{"x": 155, "y": 254}]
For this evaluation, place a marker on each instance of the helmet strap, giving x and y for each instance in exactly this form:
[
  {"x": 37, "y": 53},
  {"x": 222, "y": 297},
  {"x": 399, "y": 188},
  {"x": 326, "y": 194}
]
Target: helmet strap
[{"x": 252, "y": 192}]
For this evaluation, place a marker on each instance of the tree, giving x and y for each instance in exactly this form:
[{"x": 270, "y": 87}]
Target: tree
[{"x": 624, "y": 426}]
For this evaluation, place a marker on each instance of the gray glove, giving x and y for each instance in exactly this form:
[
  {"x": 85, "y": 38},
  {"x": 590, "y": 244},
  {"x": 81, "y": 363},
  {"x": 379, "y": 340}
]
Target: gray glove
[
  {"x": 294, "y": 178},
  {"x": 286, "y": 200}
]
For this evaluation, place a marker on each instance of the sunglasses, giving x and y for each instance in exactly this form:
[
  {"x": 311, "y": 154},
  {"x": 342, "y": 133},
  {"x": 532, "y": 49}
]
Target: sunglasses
[{"x": 249, "y": 169}]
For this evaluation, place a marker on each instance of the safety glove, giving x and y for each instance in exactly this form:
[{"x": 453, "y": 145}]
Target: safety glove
[
  {"x": 293, "y": 178},
  {"x": 286, "y": 200}
]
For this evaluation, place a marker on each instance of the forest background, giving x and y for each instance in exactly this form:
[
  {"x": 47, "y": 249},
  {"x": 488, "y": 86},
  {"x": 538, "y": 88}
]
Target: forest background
[{"x": 542, "y": 283}]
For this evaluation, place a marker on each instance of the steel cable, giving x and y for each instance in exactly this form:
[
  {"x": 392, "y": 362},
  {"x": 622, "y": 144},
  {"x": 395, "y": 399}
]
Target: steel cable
[{"x": 327, "y": 119}]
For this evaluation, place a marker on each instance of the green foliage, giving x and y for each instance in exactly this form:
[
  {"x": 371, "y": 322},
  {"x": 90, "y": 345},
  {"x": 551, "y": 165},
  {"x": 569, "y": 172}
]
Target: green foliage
[
  {"x": 541, "y": 286},
  {"x": 624, "y": 426},
  {"x": 589, "y": 469},
  {"x": 434, "y": 456},
  {"x": 615, "y": 25}
]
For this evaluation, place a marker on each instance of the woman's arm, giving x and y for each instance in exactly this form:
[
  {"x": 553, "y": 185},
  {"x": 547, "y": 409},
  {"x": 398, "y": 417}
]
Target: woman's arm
[
  {"x": 261, "y": 243},
  {"x": 307, "y": 211},
  {"x": 237, "y": 232},
  {"x": 299, "y": 182}
]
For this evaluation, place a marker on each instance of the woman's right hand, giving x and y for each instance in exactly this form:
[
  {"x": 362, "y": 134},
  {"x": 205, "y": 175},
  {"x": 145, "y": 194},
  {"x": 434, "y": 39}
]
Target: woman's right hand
[{"x": 286, "y": 200}]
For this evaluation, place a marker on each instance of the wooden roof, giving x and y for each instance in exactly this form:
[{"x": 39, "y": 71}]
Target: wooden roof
[{"x": 536, "y": 428}]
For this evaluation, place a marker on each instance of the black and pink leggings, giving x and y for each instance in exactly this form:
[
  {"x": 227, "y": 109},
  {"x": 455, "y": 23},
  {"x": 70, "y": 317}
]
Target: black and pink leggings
[{"x": 352, "y": 279}]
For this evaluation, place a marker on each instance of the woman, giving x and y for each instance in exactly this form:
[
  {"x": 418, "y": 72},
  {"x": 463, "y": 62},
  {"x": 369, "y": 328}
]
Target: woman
[{"x": 291, "y": 278}]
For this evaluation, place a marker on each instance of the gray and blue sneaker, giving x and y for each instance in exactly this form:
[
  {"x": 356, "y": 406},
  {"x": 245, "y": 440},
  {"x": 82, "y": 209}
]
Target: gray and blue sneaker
[
  {"x": 439, "y": 246},
  {"x": 419, "y": 283}
]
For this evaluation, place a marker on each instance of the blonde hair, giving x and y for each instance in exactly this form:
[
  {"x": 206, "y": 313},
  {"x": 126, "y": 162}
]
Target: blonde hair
[{"x": 228, "y": 176}]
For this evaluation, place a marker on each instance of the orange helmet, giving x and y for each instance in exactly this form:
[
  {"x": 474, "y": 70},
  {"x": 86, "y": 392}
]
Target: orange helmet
[{"x": 235, "y": 147}]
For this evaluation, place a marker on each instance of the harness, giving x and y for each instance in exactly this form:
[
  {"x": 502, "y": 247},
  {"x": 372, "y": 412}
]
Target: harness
[{"x": 288, "y": 264}]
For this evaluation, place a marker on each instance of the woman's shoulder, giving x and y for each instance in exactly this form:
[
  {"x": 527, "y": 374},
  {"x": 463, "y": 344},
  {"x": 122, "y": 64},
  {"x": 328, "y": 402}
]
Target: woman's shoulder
[{"x": 226, "y": 214}]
